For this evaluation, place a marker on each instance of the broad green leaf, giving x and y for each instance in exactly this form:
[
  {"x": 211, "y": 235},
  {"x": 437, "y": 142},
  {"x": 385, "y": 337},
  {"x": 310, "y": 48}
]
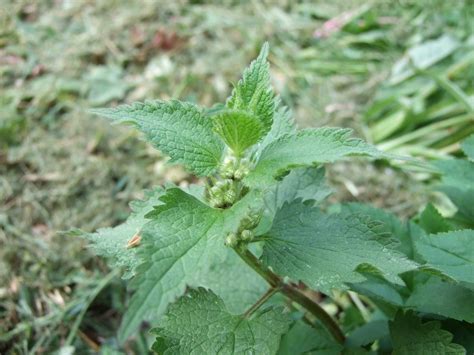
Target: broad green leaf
[
  {"x": 238, "y": 129},
  {"x": 183, "y": 244},
  {"x": 324, "y": 251},
  {"x": 432, "y": 221},
  {"x": 390, "y": 224},
  {"x": 253, "y": 93},
  {"x": 452, "y": 253},
  {"x": 412, "y": 337},
  {"x": 304, "y": 339},
  {"x": 181, "y": 130},
  {"x": 468, "y": 147},
  {"x": 305, "y": 148},
  {"x": 199, "y": 323},
  {"x": 112, "y": 242},
  {"x": 443, "y": 298}
]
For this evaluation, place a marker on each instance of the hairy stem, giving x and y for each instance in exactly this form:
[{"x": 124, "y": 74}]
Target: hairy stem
[
  {"x": 293, "y": 293},
  {"x": 270, "y": 292}
]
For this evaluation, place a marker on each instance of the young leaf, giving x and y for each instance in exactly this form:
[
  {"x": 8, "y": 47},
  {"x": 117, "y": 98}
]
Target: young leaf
[
  {"x": 238, "y": 129},
  {"x": 410, "y": 337},
  {"x": 325, "y": 250},
  {"x": 452, "y": 253},
  {"x": 114, "y": 243},
  {"x": 253, "y": 92},
  {"x": 304, "y": 339},
  {"x": 183, "y": 241},
  {"x": 199, "y": 323},
  {"x": 179, "y": 129},
  {"x": 305, "y": 148}
]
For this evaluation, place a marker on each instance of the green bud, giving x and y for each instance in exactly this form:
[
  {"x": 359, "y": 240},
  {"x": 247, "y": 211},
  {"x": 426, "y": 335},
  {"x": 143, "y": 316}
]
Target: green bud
[
  {"x": 228, "y": 167},
  {"x": 230, "y": 196},
  {"x": 246, "y": 235},
  {"x": 250, "y": 221},
  {"x": 231, "y": 240},
  {"x": 240, "y": 173}
]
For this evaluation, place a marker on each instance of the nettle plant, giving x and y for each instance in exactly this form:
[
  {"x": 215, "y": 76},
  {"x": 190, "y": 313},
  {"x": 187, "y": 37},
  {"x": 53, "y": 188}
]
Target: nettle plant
[{"x": 249, "y": 263}]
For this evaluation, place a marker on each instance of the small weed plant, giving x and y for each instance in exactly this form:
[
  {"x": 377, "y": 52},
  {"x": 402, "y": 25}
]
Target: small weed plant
[{"x": 251, "y": 263}]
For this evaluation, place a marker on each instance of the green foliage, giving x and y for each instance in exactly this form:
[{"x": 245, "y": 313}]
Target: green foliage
[
  {"x": 253, "y": 93},
  {"x": 180, "y": 130},
  {"x": 200, "y": 323},
  {"x": 451, "y": 253},
  {"x": 411, "y": 336},
  {"x": 238, "y": 130},
  {"x": 324, "y": 251},
  {"x": 205, "y": 254},
  {"x": 305, "y": 148}
]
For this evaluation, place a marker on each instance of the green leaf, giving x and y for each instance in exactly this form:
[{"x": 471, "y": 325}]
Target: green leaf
[
  {"x": 390, "y": 224},
  {"x": 443, "y": 298},
  {"x": 112, "y": 242},
  {"x": 253, "y": 93},
  {"x": 457, "y": 172},
  {"x": 181, "y": 130},
  {"x": 305, "y": 148},
  {"x": 324, "y": 251},
  {"x": 463, "y": 333},
  {"x": 303, "y": 183},
  {"x": 432, "y": 221},
  {"x": 412, "y": 337},
  {"x": 462, "y": 199},
  {"x": 368, "y": 333},
  {"x": 183, "y": 242},
  {"x": 468, "y": 147},
  {"x": 304, "y": 339},
  {"x": 452, "y": 253},
  {"x": 238, "y": 129},
  {"x": 199, "y": 323},
  {"x": 245, "y": 288},
  {"x": 282, "y": 124}
]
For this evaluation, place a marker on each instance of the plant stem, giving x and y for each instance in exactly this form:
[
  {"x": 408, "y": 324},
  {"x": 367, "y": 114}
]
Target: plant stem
[
  {"x": 270, "y": 292},
  {"x": 293, "y": 293}
]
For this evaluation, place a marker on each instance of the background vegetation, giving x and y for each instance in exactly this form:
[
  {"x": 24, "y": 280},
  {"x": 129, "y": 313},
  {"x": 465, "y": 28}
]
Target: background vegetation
[{"x": 360, "y": 64}]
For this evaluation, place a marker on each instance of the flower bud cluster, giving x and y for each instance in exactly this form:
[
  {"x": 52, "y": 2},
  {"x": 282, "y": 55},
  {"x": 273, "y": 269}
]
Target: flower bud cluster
[
  {"x": 235, "y": 169},
  {"x": 245, "y": 232},
  {"x": 223, "y": 193}
]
